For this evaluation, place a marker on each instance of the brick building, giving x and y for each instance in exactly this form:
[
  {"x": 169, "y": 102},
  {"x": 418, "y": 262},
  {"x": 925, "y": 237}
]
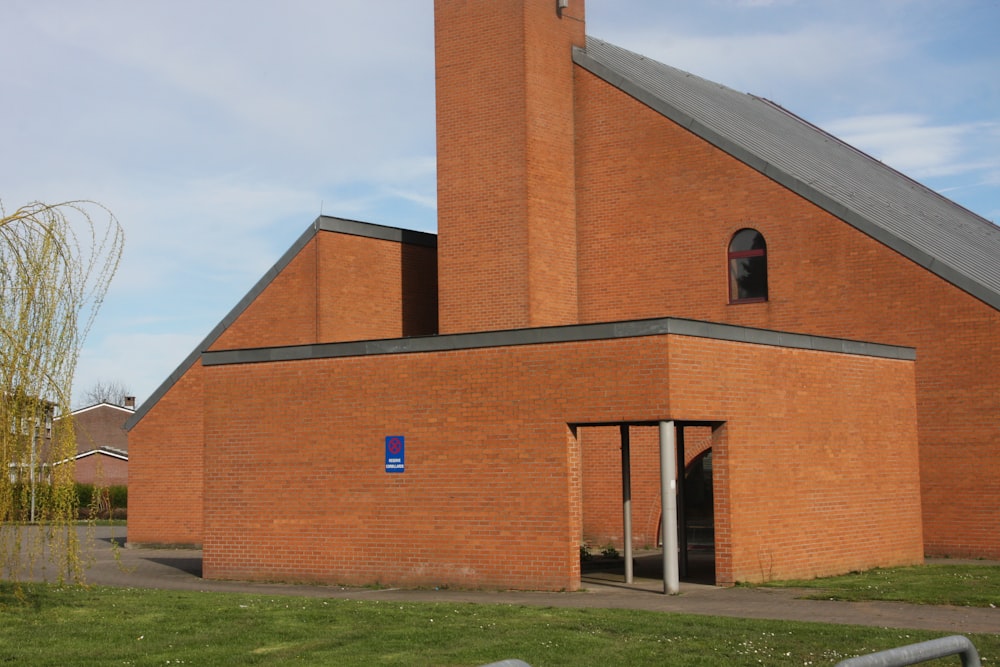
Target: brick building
[
  {"x": 624, "y": 250},
  {"x": 102, "y": 444}
]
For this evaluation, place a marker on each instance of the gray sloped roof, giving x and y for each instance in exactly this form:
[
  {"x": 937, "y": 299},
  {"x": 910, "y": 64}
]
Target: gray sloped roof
[{"x": 933, "y": 231}]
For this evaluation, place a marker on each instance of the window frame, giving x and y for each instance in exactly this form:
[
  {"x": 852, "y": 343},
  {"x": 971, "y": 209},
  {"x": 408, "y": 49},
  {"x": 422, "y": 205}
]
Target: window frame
[{"x": 731, "y": 282}]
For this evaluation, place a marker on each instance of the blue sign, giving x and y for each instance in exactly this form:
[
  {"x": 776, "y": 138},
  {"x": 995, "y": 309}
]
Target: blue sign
[{"x": 395, "y": 453}]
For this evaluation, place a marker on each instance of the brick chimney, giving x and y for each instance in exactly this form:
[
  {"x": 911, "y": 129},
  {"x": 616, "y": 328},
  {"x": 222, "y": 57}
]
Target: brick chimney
[
  {"x": 130, "y": 402},
  {"x": 505, "y": 143}
]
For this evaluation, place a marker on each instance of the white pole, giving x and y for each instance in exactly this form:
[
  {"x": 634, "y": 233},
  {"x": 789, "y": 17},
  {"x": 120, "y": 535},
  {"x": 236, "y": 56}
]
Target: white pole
[
  {"x": 31, "y": 471},
  {"x": 668, "y": 509},
  {"x": 627, "y": 502}
]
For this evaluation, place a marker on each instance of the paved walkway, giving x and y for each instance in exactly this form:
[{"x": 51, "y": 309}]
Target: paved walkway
[{"x": 181, "y": 569}]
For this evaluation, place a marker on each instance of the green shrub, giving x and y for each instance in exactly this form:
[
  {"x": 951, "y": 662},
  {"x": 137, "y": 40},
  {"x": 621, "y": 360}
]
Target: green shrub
[
  {"x": 84, "y": 494},
  {"x": 50, "y": 503},
  {"x": 102, "y": 502},
  {"x": 118, "y": 496}
]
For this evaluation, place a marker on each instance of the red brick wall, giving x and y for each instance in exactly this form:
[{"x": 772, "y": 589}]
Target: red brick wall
[
  {"x": 492, "y": 493},
  {"x": 600, "y": 451},
  {"x": 367, "y": 289},
  {"x": 166, "y": 467},
  {"x": 807, "y": 480},
  {"x": 506, "y": 205},
  {"x": 102, "y": 470},
  {"x": 101, "y": 426},
  {"x": 375, "y": 289},
  {"x": 602, "y": 488},
  {"x": 657, "y": 207},
  {"x": 284, "y": 313}
]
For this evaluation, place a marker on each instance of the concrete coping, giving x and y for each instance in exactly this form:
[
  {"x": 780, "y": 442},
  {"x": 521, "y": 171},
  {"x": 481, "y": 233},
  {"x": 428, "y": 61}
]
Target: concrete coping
[{"x": 559, "y": 334}]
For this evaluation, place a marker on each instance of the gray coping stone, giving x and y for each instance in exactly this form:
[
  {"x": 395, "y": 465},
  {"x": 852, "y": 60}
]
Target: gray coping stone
[{"x": 556, "y": 335}]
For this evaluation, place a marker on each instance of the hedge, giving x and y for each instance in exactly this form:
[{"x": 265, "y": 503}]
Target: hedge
[{"x": 113, "y": 502}]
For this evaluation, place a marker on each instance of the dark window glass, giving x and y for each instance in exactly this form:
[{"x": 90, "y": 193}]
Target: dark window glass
[
  {"x": 747, "y": 267},
  {"x": 747, "y": 239}
]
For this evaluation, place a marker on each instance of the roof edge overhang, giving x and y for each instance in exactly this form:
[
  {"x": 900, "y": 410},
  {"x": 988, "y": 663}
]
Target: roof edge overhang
[
  {"x": 322, "y": 224},
  {"x": 782, "y": 177},
  {"x": 560, "y": 334},
  {"x": 102, "y": 404},
  {"x": 106, "y": 451}
]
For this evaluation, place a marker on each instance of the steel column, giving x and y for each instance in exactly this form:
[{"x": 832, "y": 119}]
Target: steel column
[
  {"x": 627, "y": 502},
  {"x": 668, "y": 506}
]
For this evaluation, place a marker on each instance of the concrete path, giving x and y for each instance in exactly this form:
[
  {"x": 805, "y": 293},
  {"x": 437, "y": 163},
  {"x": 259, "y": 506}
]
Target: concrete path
[{"x": 180, "y": 569}]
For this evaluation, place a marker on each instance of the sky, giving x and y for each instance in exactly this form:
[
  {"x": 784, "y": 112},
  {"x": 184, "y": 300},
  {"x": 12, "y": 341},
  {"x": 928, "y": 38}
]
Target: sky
[{"x": 216, "y": 132}]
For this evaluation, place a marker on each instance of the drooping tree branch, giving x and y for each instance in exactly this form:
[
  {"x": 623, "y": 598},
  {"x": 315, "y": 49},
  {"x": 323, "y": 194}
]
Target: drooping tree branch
[{"x": 56, "y": 263}]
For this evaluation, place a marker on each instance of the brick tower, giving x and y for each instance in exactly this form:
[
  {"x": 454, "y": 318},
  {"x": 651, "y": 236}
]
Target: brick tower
[{"x": 505, "y": 145}]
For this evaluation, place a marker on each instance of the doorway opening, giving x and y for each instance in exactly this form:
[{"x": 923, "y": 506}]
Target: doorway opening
[
  {"x": 698, "y": 522},
  {"x": 621, "y": 484}
]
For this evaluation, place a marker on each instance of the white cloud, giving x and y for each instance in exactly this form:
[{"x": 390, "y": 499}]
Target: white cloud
[
  {"x": 809, "y": 56},
  {"x": 961, "y": 160},
  {"x": 909, "y": 143}
]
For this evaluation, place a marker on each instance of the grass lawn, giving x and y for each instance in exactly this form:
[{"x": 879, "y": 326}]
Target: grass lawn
[
  {"x": 50, "y": 625},
  {"x": 944, "y": 583}
]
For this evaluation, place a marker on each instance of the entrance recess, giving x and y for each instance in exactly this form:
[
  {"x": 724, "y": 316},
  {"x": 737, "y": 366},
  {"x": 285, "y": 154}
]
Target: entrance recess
[
  {"x": 683, "y": 523},
  {"x": 698, "y": 526}
]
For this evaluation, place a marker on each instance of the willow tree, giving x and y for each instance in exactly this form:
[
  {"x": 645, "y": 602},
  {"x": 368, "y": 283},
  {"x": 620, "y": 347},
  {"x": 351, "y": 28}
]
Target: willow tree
[{"x": 56, "y": 262}]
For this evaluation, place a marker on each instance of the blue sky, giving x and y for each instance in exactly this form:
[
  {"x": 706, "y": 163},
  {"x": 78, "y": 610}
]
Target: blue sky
[{"x": 217, "y": 131}]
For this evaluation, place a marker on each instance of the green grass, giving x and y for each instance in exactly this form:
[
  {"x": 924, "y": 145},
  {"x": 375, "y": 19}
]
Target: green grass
[
  {"x": 49, "y": 625},
  {"x": 961, "y": 585}
]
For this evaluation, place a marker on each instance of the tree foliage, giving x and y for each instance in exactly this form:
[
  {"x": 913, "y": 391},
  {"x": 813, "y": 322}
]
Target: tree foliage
[
  {"x": 112, "y": 392},
  {"x": 56, "y": 262}
]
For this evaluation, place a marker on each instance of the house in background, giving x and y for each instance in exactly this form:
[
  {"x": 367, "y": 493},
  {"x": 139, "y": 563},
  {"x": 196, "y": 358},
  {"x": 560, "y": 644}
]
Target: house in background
[
  {"x": 626, "y": 255},
  {"x": 102, "y": 443}
]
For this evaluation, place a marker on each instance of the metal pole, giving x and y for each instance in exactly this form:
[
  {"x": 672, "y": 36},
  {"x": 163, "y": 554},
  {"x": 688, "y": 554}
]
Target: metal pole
[
  {"x": 682, "y": 540},
  {"x": 921, "y": 652},
  {"x": 31, "y": 471},
  {"x": 627, "y": 502},
  {"x": 668, "y": 508}
]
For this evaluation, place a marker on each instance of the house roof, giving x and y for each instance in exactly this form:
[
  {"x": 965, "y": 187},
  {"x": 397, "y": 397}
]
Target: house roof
[
  {"x": 322, "y": 223},
  {"x": 933, "y": 231},
  {"x": 104, "y": 405},
  {"x": 112, "y": 452},
  {"x": 105, "y": 451}
]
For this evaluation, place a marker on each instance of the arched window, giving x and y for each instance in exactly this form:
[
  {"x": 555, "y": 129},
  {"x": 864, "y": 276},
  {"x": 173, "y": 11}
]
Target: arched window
[{"x": 747, "y": 267}]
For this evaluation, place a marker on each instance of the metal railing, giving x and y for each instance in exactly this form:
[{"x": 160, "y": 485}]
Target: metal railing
[
  {"x": 916, "y": 653},
  {"x": 901, "y": 656}
]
